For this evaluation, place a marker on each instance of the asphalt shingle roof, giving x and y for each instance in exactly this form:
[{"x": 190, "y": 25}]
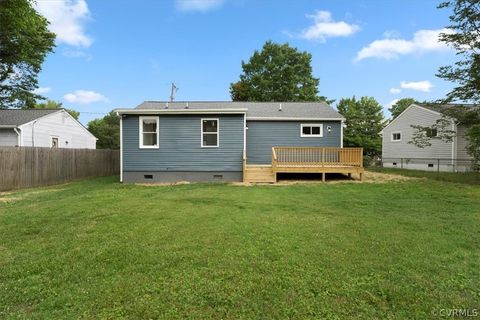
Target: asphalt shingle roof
[
  {"x": 289, "y": 110},
  {"x": 16, "y": 117},
  {"x": 442, "y": 107}
]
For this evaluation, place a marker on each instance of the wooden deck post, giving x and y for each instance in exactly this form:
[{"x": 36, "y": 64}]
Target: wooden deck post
[{"x": 323, "y": 176}]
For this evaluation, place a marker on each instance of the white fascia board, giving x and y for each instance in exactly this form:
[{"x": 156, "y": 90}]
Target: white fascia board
[
  {"x": 181, "y": 111},
  {"x": 292, "y": 119}
]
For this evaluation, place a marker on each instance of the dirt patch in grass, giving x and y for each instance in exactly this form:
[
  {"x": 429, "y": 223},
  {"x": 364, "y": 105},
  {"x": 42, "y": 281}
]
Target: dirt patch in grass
[
  {"x": 11, "y": 196},
  {"x": 369, "y": 177}
]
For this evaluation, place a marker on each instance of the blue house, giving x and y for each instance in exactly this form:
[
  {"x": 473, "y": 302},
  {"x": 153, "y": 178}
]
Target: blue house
[{"x": 232, "y": 141}]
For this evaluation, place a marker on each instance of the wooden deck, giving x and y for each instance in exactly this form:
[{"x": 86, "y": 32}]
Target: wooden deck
[{"x": 306, "y": 160}]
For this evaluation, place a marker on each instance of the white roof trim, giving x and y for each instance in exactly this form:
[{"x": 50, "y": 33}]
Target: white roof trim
[
  {"x": 8, "y": 126},
  {"x": 181, "y": 111},
  {"x": 405, "y": 111},
  {"x": 293, "y": 119}
]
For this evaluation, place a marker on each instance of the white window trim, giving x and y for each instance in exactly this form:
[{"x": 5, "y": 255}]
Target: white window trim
[
  {"x": 140, "y": 132},
  {"x": 217, "y": 133},
  {"x": 51, "y": 141},
  {"x": 320, "y": 125},
  {"x": 394, "y": 132}
]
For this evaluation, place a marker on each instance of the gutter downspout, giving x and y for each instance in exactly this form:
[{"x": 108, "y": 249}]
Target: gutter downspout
[
  {"x": 33, "y": 133},
  {"x": 121, "y": 146},
  {"x": 19, "y": 137}
]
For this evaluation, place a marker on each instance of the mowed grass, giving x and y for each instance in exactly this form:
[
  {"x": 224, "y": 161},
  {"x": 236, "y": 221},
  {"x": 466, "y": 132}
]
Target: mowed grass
[{"x": 100, "y": 249}]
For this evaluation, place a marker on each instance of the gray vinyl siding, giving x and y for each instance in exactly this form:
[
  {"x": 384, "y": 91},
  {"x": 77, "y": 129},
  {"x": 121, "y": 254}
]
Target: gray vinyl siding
[
  {"x": 402, "y": 149},
  {"x": 180, "y": 145},
  {"x": 8, "y": 138},
  {"x": 462, "y": 144},
  {"x": 263, "y": 135}
]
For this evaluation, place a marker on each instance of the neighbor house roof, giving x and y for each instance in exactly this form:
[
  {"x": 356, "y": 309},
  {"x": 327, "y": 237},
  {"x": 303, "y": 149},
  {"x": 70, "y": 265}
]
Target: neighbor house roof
[
  {"x": 253, "y": 110},
  {"x": 16, "y": 117},
  {"x": 437, "y": 107}
]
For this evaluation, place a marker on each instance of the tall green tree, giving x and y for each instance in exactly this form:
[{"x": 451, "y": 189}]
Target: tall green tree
[
  {"x": 51, "y": 104},
  {"x": 400, "y": 106},
  {"x": 464, "y": 38},
  {"x": 107, "y": 130},
  {"x": 363, "y": 122},
  {"x": 278, "y": 72},
  {"x": 24, "y": 43}
]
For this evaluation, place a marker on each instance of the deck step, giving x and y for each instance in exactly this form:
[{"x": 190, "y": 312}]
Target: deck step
[{"x": 259, "y": 174}]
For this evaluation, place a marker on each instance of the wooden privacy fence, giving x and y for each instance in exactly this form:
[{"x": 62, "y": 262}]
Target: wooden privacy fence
[{"x": 24, "y": 167}]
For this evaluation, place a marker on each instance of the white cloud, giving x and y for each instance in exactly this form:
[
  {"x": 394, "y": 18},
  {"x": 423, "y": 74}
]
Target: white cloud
[
  {"x": 391, "y": 103},
  {"x": 66, "y": 20},
  {"x": 424, "y": 86},
  {"x": 390, "y": 48},
  {"x": 395, "y": 90},
  {"x": 85, "y": 97},
  {"x": 42, "y": 90},
  {"x": 197, "y": 5},
  {"x": 325, "y": 27}
]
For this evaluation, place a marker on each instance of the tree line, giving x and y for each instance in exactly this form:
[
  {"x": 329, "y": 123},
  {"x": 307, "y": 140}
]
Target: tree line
[{"x": 277, "y": 72}]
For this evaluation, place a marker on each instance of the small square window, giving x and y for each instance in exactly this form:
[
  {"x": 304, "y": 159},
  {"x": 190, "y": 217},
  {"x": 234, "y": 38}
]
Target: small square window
[
  {"x": 430, "y": 165},
  {"x": 396, "y": 136},
  {"x": 431, "y": 133}
]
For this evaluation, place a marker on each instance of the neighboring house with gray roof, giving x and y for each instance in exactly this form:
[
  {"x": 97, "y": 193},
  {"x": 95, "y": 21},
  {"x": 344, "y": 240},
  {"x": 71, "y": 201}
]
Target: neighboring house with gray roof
[
  {"x": 202, "y": 141},
  {"x": 43, "y": 128},
  {"x": 397, "y": 152}
]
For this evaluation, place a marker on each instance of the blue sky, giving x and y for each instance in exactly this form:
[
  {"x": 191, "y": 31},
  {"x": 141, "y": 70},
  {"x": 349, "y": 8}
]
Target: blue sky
[{"x": 118, "y": 53}]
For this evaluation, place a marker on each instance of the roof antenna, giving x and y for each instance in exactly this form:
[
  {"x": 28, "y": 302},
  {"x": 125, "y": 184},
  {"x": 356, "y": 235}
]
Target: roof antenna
[
  {"x": 280, "y": 107},
  {"x": 173, "y": 90}
]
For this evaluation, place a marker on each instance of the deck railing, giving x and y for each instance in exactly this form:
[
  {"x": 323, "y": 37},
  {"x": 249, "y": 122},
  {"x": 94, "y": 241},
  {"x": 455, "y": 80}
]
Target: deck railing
[{"x": 316, "y": 156}]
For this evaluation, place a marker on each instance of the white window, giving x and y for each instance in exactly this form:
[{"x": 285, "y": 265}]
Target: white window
[
  {"x": 311, "y": 130},
  {"x": 54, "y": 142},
  {"x": 396, "y": 136},
  {"x": 210, "y": 133},
  {"x": 148, "y": 132}
]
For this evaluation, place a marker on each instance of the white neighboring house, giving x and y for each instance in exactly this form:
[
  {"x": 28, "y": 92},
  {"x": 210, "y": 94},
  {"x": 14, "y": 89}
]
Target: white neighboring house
[
  {"x": 440, "y": 156},
  {"x": 53, "y": 128}
]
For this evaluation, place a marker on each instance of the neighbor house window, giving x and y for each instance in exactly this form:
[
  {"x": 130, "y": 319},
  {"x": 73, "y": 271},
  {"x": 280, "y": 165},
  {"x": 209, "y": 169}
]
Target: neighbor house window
[
  {"x": 54, "y": 143},
  {"x": 209, "y": 132},
  {"x": 431, "y": 133},
  {"x": 311, "y": 130},
  {"x": 396, "y": 136},
  {"x": 148, "y": 132}
]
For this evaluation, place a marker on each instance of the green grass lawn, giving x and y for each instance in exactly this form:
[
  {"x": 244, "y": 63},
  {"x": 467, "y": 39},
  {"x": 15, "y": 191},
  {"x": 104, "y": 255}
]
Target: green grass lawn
[{"x": 100, "y": 249}]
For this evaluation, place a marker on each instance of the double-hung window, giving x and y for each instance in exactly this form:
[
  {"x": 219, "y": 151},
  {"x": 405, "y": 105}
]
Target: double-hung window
[
  {"x": 311, "y": 130},
  {"x": 148, "y": 132},
  {"x": 210, "y": 133}
]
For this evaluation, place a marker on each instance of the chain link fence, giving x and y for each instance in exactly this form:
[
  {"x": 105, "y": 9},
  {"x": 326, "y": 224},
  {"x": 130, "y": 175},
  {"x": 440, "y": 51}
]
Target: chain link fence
[{"x": 429, "y": 164}]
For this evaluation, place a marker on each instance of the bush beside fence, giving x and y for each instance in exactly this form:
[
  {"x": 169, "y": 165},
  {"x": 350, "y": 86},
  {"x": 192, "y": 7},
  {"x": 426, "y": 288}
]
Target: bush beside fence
[{"x": 25, "y": 167}]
